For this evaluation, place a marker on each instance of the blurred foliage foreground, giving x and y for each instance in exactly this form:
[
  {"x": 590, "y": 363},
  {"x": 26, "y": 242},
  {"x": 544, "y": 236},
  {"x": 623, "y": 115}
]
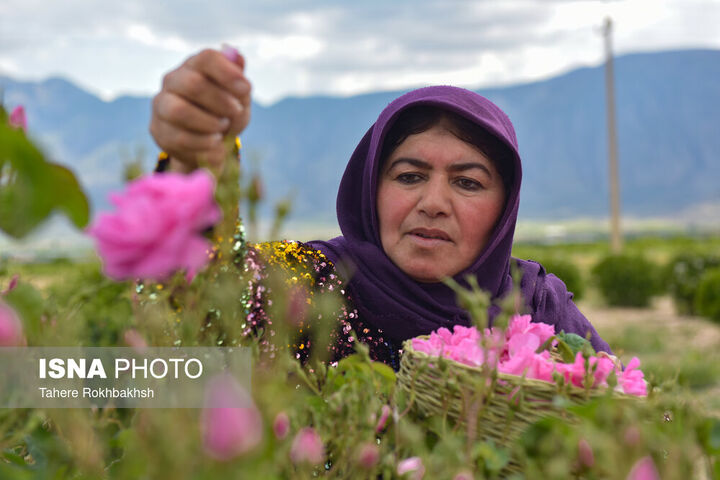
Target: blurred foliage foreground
[{"x": 346, "y": 420}]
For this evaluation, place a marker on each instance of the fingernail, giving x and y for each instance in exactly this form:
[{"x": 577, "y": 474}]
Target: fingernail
[
  {"x": 229, "y": 52},
  {"x": 224, "y": 123},
  {"x": 236, "y": 103},
  {"x": 216, "y": 137},
  {"x": 240, "y": 87}
]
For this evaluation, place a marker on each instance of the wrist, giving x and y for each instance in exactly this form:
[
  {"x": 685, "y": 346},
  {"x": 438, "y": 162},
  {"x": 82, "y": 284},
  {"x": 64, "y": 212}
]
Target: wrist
[
  {"x": 166, "y": 163},
  {"x": 177, "y": 166}
]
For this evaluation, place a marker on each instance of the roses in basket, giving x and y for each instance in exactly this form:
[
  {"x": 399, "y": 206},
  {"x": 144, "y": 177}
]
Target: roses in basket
[{"x": 525, "y": 349}]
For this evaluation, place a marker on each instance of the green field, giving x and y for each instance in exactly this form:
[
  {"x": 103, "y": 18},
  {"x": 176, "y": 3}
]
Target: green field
[
  {"x": 671, "y": 346},
  {"x": 680, "y": 355}
]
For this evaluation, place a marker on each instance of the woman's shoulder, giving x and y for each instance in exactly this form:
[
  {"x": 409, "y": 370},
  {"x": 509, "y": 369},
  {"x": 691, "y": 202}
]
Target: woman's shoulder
[
  {"x": 550, "y": 302},
  {"x": 534, "y": 276},
  {"x": 531, "y": 274}
]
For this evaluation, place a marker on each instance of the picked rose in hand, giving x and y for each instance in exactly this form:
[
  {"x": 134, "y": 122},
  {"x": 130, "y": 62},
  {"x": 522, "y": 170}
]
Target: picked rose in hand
[{"x": 157, "y": 227}]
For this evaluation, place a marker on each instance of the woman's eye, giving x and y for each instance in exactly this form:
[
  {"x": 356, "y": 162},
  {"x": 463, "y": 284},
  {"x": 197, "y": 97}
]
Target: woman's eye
[
  {"x": 468, "y": 184},
  {"x": 408, "y": 178}
]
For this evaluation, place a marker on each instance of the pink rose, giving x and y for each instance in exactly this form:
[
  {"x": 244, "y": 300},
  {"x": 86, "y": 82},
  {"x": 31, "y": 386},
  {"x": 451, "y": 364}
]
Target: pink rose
[
  {"x": 462, "y": 345},
  {"x": 281, "y": 425},
  {"x": 523, "y": 341},
  {"x": 632, "y": 379},
  {"x": 231, "y": 422},
  {"x": 412, "y": 465},
  {"x": 533, "y": 365},
  {"x": 157, "y": 226},
  {"x": 522, "y": 324},
  {"x": 467, "y": 352},
  {"x": 368, "y": 455},
  {"x": 11, "y": 334},
  {"x": 17, "y": 118},
  {"x": 307, "y": 447},
  {"x": 573, "y": 372},
  {"x": 644, "y": 469},
  {"x": 603, "y": 366}
]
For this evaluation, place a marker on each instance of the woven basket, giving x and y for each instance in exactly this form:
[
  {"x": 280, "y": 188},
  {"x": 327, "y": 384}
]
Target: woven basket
[{"x": 500, "y": 407}]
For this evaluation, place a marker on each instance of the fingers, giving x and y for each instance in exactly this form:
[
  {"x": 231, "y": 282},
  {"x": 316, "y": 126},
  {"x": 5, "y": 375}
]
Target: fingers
[
  {"x": 190, "y": 148},
  {"x": 203, "y": 100},
  {"x": 211, "y": 82},
  {"x": 180, "y": 139},
  {"x": 240, "y": 121},
  {"x": 226, "y": 74},
  {"x": 195, "y": 88},
  {"x": 172, "y": 108}
]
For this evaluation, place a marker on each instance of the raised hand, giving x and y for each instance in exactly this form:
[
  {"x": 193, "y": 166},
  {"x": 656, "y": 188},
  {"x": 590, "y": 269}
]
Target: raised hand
[{"x": 201, "y": 102}]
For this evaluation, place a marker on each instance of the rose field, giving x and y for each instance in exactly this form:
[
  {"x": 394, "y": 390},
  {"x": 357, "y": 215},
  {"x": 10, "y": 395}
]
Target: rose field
[{"x": 509, "y": 400}]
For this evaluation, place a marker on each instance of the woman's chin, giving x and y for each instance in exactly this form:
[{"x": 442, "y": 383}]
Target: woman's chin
[{"x": 425, "y": 274}]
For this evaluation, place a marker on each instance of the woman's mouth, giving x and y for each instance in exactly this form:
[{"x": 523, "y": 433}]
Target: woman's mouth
[{"x": 429, "y": 236}]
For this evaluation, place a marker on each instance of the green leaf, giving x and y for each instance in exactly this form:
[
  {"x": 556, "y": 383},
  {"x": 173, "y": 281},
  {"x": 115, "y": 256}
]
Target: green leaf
[
  {"x": 547, "y": 344},
  {"x": 68, "y": 195},
  {"x": 384, "y": 371},
  {"x": 710, "y": 435},
  {"x": 350, "y": 362},
  {"x": 28, "y": 302},
  {"x": 575, "y": 342},
  {"x": 31, "y": 188},
  {"x": 495, "y": 458},
  {"x": 11, "y": 472},
  {"x": 714, "y": 437},
  {"x": 14, "y": 458},
  {"x": 565, "y": 352}
]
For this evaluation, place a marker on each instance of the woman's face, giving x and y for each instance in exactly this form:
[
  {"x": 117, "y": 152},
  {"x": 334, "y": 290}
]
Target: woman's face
[{"x": 438, "y": 201}]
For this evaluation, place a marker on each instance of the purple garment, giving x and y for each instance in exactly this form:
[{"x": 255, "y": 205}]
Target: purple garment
[{"x": 389, "y": 299}]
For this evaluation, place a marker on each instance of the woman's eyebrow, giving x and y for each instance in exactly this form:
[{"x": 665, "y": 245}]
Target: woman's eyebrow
[
  {"x": 461, "y": 167},
  {"x": 412, "y": 161},
  {"x": 457, "y": 167}
]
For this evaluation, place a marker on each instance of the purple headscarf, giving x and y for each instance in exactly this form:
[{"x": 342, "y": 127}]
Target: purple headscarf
[{"x": 388, "y": 298}]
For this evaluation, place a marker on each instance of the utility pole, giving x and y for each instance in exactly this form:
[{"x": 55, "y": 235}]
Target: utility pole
[{"x": 615, "y": 234}]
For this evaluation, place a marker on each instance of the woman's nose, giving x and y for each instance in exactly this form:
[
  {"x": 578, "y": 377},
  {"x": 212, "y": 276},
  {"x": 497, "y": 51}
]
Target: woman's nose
[{"x": 435, "y": 200}]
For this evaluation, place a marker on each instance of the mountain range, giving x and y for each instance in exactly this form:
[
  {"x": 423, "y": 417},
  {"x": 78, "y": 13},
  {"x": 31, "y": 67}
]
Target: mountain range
[{"x": 668, "y": 118}]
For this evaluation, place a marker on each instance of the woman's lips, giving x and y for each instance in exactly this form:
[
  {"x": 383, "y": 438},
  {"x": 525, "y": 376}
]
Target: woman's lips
[{"x": 429, "y": 236}]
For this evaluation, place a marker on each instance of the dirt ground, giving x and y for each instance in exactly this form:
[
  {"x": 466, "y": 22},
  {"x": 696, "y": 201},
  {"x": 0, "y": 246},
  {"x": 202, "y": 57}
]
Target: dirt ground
[{"x": 694, "y": 332}]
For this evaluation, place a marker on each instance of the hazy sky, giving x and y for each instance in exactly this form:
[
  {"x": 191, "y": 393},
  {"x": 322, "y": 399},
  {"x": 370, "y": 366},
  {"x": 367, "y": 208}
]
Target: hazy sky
[{"x": 299, "y": 47}]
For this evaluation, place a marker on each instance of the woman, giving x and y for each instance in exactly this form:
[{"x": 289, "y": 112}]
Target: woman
[{"x": 431, "y": 191}]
